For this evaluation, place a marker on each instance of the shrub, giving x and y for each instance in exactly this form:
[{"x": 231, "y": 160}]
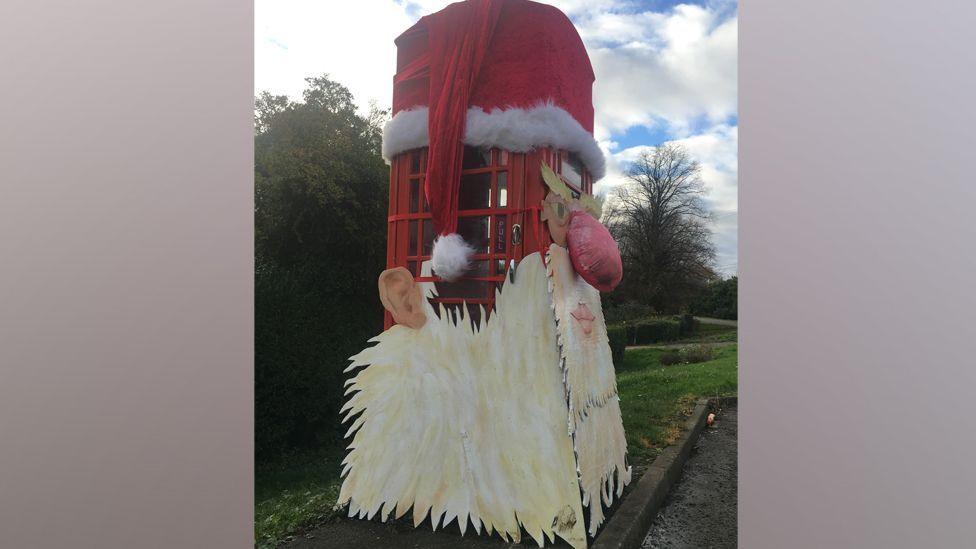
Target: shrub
[
  {"x": 686, "y": 324},
  {"x": 656, "y": 330},
  {"x": 618, "y": 343},
  {"x": 670, "y": 357},
  {"x": 631, "y": 333},
  {"x": 690, "y": 354},
  {"x": 693, "y": 354}
]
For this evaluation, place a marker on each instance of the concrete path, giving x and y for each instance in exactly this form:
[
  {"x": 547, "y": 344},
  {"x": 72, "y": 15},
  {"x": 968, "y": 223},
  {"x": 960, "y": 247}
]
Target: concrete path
[
  {"x": 700, "y": 511},
  {"x": 719, "y": 321}
]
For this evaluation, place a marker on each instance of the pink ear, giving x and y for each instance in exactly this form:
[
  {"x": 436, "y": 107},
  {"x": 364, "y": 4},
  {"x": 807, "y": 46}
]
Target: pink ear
[{"x": 593, "y": 251}]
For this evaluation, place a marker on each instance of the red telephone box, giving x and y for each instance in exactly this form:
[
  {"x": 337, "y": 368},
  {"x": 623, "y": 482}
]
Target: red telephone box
[
  {"x": 499, "y": 204},
  {"x": 512, "y": 75}
]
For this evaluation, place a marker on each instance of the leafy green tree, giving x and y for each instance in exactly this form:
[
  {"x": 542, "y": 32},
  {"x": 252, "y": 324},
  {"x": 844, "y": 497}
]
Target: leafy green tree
[
  {"x": 719, "y": 300},
  {"x": 321, "y": 192}
]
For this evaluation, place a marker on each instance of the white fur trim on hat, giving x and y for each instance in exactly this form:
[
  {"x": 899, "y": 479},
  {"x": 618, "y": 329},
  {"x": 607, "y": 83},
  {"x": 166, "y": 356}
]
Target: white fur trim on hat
[
  {"x": 514, "y": 129},
  {"x": 451, "y": 257}
]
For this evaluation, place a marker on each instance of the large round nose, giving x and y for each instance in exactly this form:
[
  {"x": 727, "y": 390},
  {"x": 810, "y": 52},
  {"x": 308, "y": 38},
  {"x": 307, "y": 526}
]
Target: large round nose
[{"x": 594, "y": 252}]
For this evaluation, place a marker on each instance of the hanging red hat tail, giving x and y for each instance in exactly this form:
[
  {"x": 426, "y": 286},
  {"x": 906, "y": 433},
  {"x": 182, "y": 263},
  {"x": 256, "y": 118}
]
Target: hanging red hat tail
[{"x": 457, "y": 44}]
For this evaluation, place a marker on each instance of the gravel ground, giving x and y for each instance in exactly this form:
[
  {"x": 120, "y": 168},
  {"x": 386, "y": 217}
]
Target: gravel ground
[
  {"x": 701, "y": 510},
  {"x": 365, "y": 534}
]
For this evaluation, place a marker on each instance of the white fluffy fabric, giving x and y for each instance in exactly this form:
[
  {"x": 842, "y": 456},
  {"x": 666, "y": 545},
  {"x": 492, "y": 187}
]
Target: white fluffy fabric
[
  {"x": 513, "y": 129},
  {"x": 451, "y": 257},
  {"x": 407, "y": 130},
  {"x": 467, "y": 424}
]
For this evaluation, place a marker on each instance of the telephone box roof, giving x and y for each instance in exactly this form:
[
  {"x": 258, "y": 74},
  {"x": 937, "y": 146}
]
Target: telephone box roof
[{"x": 532, "y": 86}]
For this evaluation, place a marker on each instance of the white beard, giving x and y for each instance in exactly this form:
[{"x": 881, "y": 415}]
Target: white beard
[
  {"x": 591, "y": 388},
  {"x": 465, "y": 423}
]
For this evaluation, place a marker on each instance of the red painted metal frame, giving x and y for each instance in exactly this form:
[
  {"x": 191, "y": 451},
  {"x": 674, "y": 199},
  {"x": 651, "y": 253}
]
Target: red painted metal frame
[{"x": 410, "y": 220}]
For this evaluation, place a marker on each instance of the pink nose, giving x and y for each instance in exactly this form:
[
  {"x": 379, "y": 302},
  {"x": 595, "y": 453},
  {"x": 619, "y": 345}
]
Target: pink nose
[{"x": 593, "y": 251}]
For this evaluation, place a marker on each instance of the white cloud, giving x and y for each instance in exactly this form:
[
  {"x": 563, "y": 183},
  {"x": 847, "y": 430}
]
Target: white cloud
[
  {"x": 574, "y": 8},
  {"x": 655, "y": 69},
  {"x": 351, "y": 41},
  {"x": 717, "y": 150}
]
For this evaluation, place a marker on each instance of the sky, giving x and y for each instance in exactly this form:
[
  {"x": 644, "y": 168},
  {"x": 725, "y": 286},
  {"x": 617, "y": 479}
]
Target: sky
[{"x": 665, "y": 72}]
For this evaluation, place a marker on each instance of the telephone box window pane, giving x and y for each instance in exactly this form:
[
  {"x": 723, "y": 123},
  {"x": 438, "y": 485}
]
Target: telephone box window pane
[
  {"x": 502, "y": 189},
  {"x": 412, "y": 267},
  {"x": 474, "y": 231},
  {"x": 572, "y": 170},
  {"x": 475, "y": 191},
  {"x": 428, "y": 237},
  {"x": 478, "y": 268},
  {"x": 502, "y": 157},
  {"x": 474, "y": 313},
  {"x": 412, "y": 237},
  {"x": 463, "y": 289},
  {"x": 414, "y": 195},
  {"x": 415, "y": 162},
  {"x": 501, "y": 234},
  {"x": 476, "y": 158}
]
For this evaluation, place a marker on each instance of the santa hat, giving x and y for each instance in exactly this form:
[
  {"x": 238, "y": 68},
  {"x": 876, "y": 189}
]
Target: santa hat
[{"x": 511, "y": 74}]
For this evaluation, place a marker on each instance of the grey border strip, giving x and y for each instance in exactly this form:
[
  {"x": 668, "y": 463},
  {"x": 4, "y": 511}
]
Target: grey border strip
[
  {"x": 127, "y": 238},
  {"x": 628, "y": 525}
]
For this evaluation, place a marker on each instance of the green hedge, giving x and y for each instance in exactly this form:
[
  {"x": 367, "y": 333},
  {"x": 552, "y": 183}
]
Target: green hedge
[
  {"x": 654, "y": 331},
  {"x": 629, "y": 311},
  {"x": 305, "y": 333},
  {"x": 686, "y": 324},
  {"x": 651, "y": 330},
  {"x": 618, "y": 343}
]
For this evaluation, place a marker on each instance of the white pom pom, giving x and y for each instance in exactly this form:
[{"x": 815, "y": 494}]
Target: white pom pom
[{"x": 451, "y": 257}]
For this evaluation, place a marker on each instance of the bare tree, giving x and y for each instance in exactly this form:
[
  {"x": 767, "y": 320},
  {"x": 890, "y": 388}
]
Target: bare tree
[{"x": 660, "y": 222}]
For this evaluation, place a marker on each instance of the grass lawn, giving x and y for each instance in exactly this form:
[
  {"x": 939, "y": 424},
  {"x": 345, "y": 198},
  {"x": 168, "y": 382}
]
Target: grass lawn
[
  {"x": 298, "y": 491},
  {"x": 655, "y": 401},
  {"x": 714, "y": 333}
]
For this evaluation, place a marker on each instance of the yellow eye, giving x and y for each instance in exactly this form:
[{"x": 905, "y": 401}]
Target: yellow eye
[{"x": 560, "y": 210}]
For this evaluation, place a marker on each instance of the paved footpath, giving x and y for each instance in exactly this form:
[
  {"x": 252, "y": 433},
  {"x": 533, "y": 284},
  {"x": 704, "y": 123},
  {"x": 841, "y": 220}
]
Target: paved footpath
[
  {"x": 718, "y": 321},
  {"x": 700, "y": 511}
]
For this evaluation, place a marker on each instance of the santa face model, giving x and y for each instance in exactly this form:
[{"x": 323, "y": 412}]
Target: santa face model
[{"x": 514, "y": 425}]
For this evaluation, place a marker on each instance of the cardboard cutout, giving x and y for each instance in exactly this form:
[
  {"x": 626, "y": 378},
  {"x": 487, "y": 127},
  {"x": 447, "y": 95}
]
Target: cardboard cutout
[
  {"x": 467, "y": 425},
  {"x": 512, "y": 423},
  {"x": 591, "y": 386}
]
